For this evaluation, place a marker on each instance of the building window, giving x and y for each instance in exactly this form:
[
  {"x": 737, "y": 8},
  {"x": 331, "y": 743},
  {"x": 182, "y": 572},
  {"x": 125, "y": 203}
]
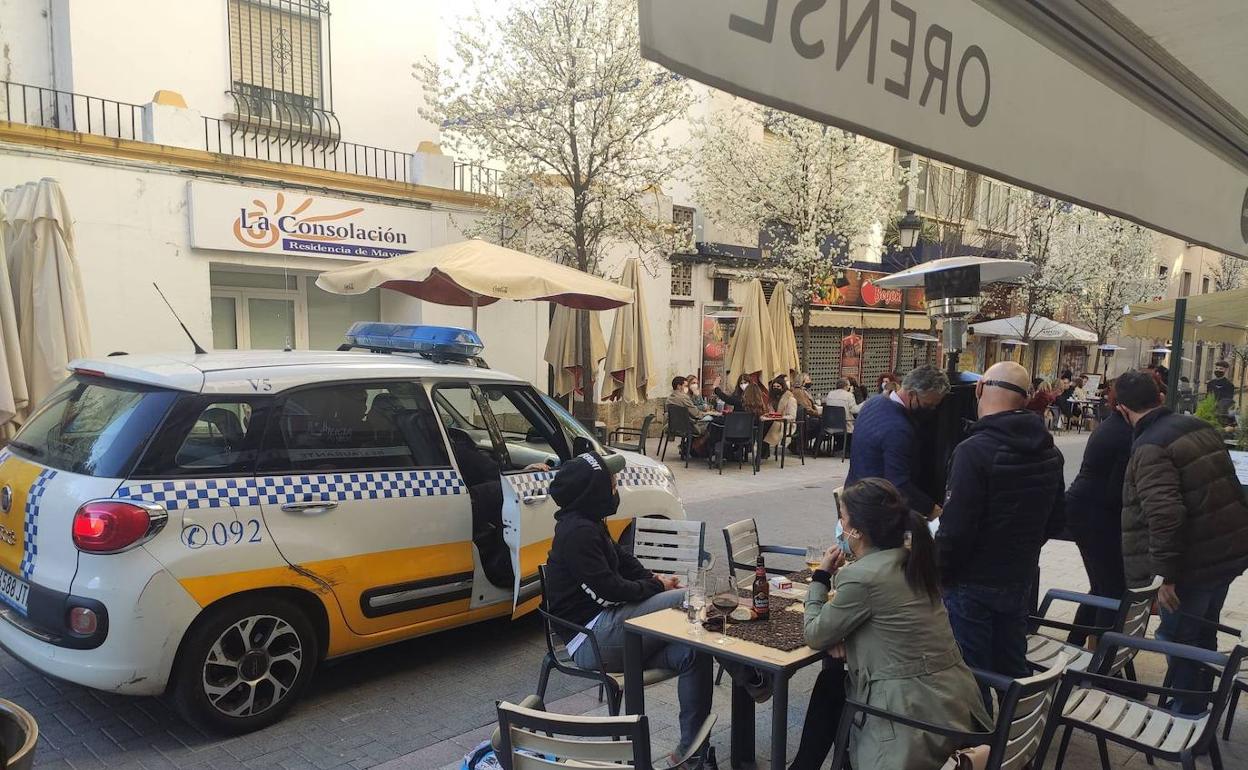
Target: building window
[
  {"x": 682, "y": 223},
  {"x": 1163, "y": 272},
  {"x": 1204, "y": 285},
  {"x": 995, "y": 207},
  {"x": 682, "y": 279},
  {"x": 719, "y": 290},
  {"x": 1185, "y": 284},
  {"x": 279, "y": 62}
]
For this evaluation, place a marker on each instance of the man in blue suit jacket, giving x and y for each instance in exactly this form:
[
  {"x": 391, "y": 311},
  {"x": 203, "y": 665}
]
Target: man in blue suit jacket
[{"x": 885, "y": 444}]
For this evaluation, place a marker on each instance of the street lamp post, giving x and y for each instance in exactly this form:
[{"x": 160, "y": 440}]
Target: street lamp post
[{"x": 908, "y": 230}]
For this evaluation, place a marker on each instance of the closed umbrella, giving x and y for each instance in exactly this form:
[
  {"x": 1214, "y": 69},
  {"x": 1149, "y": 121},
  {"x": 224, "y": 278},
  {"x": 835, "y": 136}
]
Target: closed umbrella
[
  {"x": 47, "y": 286},
  {"x": 628, "y": 352},
  {"x": 473, "y": 273},
  {"x": 782, "y": 331},
  {"x": 752, "y": 349},
  {"x": 563, "y": 349},
  {"x": 14, "y": 398}
]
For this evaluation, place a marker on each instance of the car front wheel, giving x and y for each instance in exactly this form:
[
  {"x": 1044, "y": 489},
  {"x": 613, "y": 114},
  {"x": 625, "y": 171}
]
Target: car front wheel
[{"x": 244, "y": 665}]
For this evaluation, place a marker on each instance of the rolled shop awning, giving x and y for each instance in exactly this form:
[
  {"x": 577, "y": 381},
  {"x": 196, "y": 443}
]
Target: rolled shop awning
[
  {"x": 864, "y": 320},
  {"x": 1218, "y": 317}
]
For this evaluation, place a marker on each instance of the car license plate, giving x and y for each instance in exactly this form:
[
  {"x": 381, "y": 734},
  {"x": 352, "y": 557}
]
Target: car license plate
[{"x": 14, "y": 591}]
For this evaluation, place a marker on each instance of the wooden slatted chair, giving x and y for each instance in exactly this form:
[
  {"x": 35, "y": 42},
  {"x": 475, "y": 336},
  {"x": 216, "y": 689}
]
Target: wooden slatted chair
[
  {"x": 1133, "y": 612},
  {"x": 530, "y": 739},
  {"x": 558, "y": 658},
  {"x": 1096, "y": 704},
  {"x": 741, "y": 541},
  {"x": 670, "y": 547},
  {"x": 1022, "y": 719}
]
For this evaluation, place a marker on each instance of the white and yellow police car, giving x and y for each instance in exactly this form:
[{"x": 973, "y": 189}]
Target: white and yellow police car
[{"x": 213, "y": 526}]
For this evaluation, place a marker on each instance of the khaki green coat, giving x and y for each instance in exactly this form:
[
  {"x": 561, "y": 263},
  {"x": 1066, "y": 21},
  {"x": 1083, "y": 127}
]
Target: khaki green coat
[{"x": 901, "y": 657}]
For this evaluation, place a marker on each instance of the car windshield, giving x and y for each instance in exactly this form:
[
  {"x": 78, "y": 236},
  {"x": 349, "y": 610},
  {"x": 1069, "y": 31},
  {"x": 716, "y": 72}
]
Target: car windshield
[
  {"x": 93, "y": 426},
  {"x": 571, "y": 426}
]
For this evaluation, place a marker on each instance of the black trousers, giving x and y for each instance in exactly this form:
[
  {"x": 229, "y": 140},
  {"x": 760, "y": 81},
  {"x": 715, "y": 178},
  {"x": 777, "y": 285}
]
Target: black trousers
[
  {"x": 823, "y": 716},
  {"x": 1101, "y": 551}
]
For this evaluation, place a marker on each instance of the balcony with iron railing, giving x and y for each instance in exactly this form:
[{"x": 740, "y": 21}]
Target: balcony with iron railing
[{"x": 231, "y": 135}]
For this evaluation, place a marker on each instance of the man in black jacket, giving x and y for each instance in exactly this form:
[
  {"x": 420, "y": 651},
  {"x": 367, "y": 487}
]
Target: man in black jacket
[
  {"x": 1003, "y": 500},
  {"x": 593, "y": 582}
]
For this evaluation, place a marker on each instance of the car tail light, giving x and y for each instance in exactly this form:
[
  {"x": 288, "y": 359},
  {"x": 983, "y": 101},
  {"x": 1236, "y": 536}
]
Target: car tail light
[
  {"x": 111, "y": 526},
  {"x": 83, "y": 621}
]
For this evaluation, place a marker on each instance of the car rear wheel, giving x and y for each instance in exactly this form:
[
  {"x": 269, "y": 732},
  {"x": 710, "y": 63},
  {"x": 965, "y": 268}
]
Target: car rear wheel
[{"x": 244, "y": 664}]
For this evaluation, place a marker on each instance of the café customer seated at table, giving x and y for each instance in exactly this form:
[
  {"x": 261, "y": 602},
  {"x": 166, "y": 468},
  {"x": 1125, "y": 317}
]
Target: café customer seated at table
[{"x": 886, "y": 620}]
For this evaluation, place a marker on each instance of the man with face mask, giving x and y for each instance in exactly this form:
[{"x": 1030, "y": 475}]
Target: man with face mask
[
  {"x": 1003, "y": 500},
  {"x": 592, "y": 581},
  {"x": 885, "y": 441}
]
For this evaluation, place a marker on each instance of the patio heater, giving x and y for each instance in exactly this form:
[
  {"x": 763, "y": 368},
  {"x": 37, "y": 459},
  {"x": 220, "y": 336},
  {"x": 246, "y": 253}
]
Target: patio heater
[
  {"x": 953, "y": 292},
  {"x": 1107, "y": 352}
]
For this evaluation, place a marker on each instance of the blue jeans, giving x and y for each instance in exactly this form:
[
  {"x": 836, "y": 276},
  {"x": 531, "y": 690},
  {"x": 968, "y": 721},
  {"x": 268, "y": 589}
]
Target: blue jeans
[
  {"x": 1200, "y": 602},
  {"x": 696, "y": 683},
  {"x": 990, "y": 626}
]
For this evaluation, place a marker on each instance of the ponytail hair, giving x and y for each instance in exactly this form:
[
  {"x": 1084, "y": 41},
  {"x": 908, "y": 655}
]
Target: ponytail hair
[{"x": 875, "y": 507}]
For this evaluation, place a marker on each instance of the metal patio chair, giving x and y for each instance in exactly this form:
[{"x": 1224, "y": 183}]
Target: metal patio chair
[
  {"x": 835, "y": 423},
  {"x": 533, "y": 739},
  {"x": 558, "y": 658},
  {"x": 1023, "y": 716},
  {"x": 669, "y": 546},
  {"x": 631, "y": 439},
  {"x": 1131, "y": 618},
  {"x": 679, "y": 425},
  {"x": 740, "y": 431},
  {"x": 1098, "y": 704}
]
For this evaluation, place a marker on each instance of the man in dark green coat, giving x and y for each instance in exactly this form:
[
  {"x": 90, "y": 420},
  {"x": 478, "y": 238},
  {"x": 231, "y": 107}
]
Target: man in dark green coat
[{"x": 1184, "y": 517}]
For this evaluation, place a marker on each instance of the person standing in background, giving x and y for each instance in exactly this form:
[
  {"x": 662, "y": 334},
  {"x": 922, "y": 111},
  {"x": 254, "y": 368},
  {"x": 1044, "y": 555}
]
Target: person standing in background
[
  {"x": 1003, "y": 501},
  {"x": 885, "y": 442},
  {"x": 1185, "y": 518},
  {"x": 1094, "y": 514}
]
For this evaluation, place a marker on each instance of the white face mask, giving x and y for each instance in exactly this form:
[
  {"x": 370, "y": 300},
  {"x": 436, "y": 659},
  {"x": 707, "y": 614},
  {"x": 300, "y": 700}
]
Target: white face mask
[{"x": 744, "y": 385}]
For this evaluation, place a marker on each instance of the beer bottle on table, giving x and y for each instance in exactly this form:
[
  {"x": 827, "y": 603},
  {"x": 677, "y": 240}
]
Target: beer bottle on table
[{"x": 762, "y": 591}]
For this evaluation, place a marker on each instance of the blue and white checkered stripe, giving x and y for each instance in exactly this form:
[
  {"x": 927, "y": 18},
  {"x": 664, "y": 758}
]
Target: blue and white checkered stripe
[
  {"x": 533, "y": 484},
  {"x": 30, "y": 525},
  {"x": 274, "y": 490}
]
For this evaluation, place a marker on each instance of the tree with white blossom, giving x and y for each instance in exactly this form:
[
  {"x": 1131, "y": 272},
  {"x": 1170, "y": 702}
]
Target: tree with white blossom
[
  {"x": 556, "y": 93},
  {"x": 809, "y": 190},
  {"x": 1113, "y": 263}
]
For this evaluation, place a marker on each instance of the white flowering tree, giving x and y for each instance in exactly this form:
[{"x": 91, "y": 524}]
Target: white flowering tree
[
  {"x": 1113, "y": 263},
  {"x": 807, "y": 189},
  {"x": 557, "y": 94}
]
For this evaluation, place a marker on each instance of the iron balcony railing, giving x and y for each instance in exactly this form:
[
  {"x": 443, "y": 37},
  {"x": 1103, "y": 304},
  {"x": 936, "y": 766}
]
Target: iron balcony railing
[
  {"x": 50, "y": 108},
  {"x": 225, "y": 138},
  {"x": 476, "y": 178}
]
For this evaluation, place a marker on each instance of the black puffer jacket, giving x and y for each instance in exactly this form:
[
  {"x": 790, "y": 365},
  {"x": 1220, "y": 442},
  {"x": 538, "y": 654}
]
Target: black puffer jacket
[
  {"x": 1003, "y": 500},
  {"x": 1184, "y": 516},
  {"x": 586, "y": 570},
  {"x": 1094, "y": 500}
]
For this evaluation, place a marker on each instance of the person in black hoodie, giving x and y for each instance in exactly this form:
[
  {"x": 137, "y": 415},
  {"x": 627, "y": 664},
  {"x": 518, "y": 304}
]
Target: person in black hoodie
[
  {"x": 1003, "y": 500},
  {"x": 1094, "y": 515},
  {"x": 592, "y": 581}
]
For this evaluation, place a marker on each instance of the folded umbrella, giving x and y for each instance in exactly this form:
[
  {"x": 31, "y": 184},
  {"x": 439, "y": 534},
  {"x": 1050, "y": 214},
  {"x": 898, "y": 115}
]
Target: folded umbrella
[{"x": 628, "y": 352}]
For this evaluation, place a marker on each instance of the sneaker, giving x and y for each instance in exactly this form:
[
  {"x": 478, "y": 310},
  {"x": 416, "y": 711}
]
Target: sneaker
[{"x": 759, "y": 688}]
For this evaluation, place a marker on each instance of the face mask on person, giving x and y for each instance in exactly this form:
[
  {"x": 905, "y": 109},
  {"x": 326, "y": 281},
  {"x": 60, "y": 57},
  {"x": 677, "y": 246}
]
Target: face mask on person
[
  {"x": 612, "y": 505},
  {"x": 842, "y": 542},
  {"x": 743, "y": 386},
  {"x": 1219, "y": 374}
]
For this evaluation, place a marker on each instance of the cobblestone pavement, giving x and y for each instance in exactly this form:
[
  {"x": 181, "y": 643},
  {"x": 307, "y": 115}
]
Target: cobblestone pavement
[{"x": 425, "y": 703}]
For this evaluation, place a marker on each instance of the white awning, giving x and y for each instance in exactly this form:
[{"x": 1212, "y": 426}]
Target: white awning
[
  {"x": 1040, "y": 328},
  {"x": 1132, "y": 107}
]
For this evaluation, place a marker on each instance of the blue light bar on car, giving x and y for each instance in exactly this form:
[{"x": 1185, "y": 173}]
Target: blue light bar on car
[{"x": 412, "y": 338}]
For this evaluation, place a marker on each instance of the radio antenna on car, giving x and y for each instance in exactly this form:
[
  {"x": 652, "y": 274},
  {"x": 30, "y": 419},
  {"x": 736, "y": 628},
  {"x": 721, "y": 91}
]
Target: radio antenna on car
[{"x": 198, "y": 350}]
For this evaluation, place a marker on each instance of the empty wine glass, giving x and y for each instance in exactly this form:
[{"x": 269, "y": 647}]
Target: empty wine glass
[{"x": 695, "y": 602}]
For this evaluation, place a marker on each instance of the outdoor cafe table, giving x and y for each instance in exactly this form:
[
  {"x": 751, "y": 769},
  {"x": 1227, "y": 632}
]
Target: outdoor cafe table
[{"x": 670, "y": 625}]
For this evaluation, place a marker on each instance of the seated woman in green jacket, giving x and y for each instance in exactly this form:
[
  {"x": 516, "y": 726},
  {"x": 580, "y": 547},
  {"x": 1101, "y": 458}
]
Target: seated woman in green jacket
[{"x": 887, "y": 621}]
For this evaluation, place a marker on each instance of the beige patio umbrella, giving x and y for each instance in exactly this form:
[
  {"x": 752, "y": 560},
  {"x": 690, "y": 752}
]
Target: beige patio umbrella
[
  {"x": 752, "y": 348},
  {"x": 787, "y": 359},
  {"x": 474, "y": 273},
  {"x": 47, "y": 286},
  {"x": 628, "y": 353},
  {"x": 14, "y": 398},
  {"x": 563, "y": 348}
]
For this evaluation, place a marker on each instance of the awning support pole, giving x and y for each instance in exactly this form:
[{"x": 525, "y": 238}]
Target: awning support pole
[{"x": 1176, "y": 352}]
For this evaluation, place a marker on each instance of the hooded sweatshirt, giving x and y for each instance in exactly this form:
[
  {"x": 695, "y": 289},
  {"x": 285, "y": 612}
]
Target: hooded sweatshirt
[
  {"x": 586, "y": 570},
  {"x": 1003, "y": 500}
]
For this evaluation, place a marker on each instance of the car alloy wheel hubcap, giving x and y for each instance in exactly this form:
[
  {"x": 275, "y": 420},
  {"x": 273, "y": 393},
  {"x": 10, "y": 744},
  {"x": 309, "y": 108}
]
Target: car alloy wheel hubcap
[{"x": 252, "y": 665}]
